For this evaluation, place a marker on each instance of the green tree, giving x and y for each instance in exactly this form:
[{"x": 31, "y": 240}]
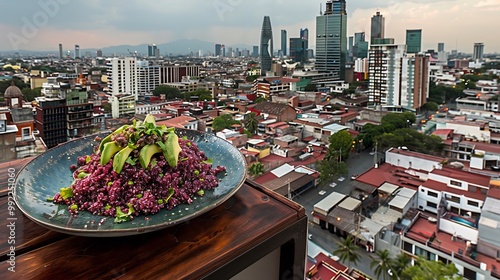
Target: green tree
[
  {"x": 347, "y": 251},
  {"x": 399, "y": 120},
  {"x": 202, "y": 95},
  {"x": 340, "y": 145},
  {"x": 106, "y": 107},
  {"x": 256, "y": 169},
  {"x": 251, "y": 78},
  {"x": 7, "y": 83},
  {"x": 436, "y": 270},
  {"x": 431, "y": 106},
  {"x": 170, "y": 92},
  {"x": 251, "y": 123},
  {"x": 328, "y": 169},
  {"x": 399, "y": 264},
  {"x": 30, "y": 94},
  {"x": 382, "y": 263},
  {"x": 224, "y": 121}
]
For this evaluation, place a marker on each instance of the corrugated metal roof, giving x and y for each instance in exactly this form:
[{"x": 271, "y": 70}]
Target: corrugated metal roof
[
  {"x": 388, "y": 188},
  {"x": 399, "y": 202},
  {"x": 350, "y": 204},
  {"x": 330, "y": 201},
  {"x": 405, "y": 192},
  {"x": 282, "y": 170}
]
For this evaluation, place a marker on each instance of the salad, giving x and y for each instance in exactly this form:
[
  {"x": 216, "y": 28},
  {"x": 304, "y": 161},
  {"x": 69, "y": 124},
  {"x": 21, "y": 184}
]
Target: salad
[{"x": 139, "y": 168}]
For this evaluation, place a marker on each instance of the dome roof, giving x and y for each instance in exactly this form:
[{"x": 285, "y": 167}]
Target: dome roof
[{"x": 13, "y": 92}]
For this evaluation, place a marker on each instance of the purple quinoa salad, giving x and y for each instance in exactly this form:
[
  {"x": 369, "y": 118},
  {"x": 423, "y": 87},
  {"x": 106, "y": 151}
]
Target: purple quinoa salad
[{"x": 138, "y": 169}]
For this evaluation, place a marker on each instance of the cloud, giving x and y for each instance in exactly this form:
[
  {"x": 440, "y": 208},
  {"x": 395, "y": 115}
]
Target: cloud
[{"x": 99, "y": 23}]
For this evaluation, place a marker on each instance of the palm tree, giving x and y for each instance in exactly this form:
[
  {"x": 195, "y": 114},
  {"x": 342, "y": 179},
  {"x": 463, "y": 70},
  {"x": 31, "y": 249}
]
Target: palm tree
[
  {"x": 347, "y": 251},
  {"x": 382, "y": 263},
  {"x": 256, "y": 169},
  {"x": 400, "y": 263},
  {"x": 251, "y": 123}
]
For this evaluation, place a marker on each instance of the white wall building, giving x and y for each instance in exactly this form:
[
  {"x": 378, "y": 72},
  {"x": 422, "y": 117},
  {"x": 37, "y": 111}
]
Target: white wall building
[{"x": 122, "y": 76}]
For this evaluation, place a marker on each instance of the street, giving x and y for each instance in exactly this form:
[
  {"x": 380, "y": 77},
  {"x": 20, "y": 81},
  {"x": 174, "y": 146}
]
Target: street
[{"x": 356, "y": 164}]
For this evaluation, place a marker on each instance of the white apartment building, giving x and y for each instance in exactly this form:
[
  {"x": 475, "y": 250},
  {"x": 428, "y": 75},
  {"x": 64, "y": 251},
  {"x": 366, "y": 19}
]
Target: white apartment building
[
  {"x": 395, "y": 79},
  {"x": 148, "y": 77},
  {"x": 384, "y": 66},
  {"x": 122, "y": 76}
]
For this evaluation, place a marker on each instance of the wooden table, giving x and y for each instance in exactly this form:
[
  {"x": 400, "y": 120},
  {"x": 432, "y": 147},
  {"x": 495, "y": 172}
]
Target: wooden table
[{"x": 228, "y": 241}]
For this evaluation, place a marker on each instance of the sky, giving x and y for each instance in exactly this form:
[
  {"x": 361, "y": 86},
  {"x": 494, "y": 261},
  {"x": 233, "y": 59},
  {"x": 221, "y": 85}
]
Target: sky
[{"x": 43, "y": 24}]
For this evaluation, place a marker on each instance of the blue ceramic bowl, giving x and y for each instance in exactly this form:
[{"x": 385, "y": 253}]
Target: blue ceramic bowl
[{"x": 42, "y": 177}]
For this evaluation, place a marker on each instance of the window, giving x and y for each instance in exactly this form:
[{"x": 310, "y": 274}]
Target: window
[
  {"x": 431, "y": 204},
  {"x": 473, "y": 203},
  {"x": 26, "y": 133},
  {"x": 455, "y": 183},
  {"x": 433, "y": 194},
  {"x": 453, "y": 198}
]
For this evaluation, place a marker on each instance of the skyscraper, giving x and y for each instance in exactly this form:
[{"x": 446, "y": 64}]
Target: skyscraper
[
  {"x": 378, "y": 27},
  {"x": 218, "y": 48},
  {"x": 298, "y": 51},
  {"x": 152, "y": 50},
  {"x": 266, "y": 45},
  {"x": 331, "y": 39},
  {"x": 60, "y": 51},
  {"x": 478, "y": 52},
  {"x": 77, "y": 51},
  {"x": 283, "y": 42},
  {"x": 440, "y": 47},
  {"x": 395, "y": 79},
  {"x": 413, "y": 40},
  {"x": 255, "y": 51},
  {"x": 304, "y": 34}
]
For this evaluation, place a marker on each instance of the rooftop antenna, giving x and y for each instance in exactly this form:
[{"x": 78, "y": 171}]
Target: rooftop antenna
[{"x": 320, "y": 9}]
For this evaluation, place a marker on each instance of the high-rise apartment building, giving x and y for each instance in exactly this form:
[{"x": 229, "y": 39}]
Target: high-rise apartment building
[
  {"x": 413, "y": 40},
  {"x": 440, "y": 47},
  {"x": 331, "y": 39},
  {"x": 255, "y": 51},
  {"x": 384, "y": 67},
  {"x": 122, "y": 76},
  {"x": 477, "y": 55},
  {"x": 283, "y": 42},
  {"x": 152, "y": 50},
  {"x": 77, "y": 52},
  {"x": 148, "y": 77},
  {"x": 266, "y": 45},
  {"x": 60, "y": 51},
  {"x": 304, "y": 35},
  {"x": 218, "y": 49},
  {"x": 98, "y": 53},
  {"x": 298, "y": 50},
  {"x": 418, "y": 76},
  {"x": 377, "y": 27},
  {"x": 395, "y": 79},
  {"x": 174, "y": 73},
  {"x": 360, "y": 48}
]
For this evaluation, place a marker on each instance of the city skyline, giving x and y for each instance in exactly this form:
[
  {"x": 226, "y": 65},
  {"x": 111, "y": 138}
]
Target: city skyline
[{"x": 98, "y": 24}]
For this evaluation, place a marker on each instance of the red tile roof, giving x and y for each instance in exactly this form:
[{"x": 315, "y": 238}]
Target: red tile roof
[
  {"x": 463, "y": 175},
  {"x": 438, "y": 186}
]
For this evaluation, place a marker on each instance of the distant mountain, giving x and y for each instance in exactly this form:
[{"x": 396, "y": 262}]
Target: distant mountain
[{"x": 179, "y": 47}]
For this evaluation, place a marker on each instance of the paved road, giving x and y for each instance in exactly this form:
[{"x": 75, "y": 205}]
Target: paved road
[{"x": 356, "y": 164}]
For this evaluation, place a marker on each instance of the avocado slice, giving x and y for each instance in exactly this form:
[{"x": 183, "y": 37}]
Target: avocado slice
[
  {"x": 120, "y": 158},
  {"x": 110, "y": 149},
  {"x": 108, "y": 138},
  {"x": 147, "y": 153},
  {"x": 150, "y": 119},
  {"x": 172, "y": 149}
]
